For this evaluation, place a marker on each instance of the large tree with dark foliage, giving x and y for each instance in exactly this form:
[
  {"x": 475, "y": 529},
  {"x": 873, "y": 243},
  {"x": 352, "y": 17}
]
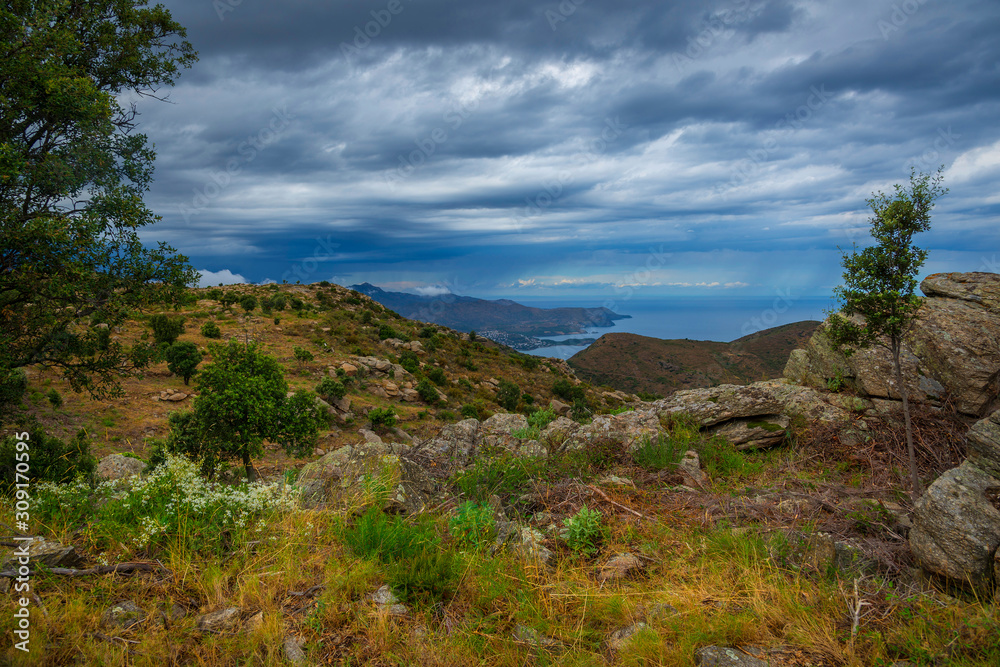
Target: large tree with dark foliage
[{"x": 72, "y": 177}]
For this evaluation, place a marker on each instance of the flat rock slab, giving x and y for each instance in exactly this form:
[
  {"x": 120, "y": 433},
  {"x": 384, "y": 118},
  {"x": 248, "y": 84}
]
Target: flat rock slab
[{"x": 720, "y": 656}]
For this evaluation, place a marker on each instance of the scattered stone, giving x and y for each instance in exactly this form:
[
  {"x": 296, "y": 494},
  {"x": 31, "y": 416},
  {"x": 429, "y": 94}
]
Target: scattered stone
[
  {"x": 349, "y": 369},
  {"x": 719, "y": 656},
  {"x": 123, "y": 614},
  {"x": 527, "y": 635},
  {"x": 44, "y": 552},
  {"x": 175, "y": 398},
  {"x": 560, "y": 408},
  {"x": 219, "y": 621},
  {"x": 370, "y": 436},
  {"x": 116, "y": 466},
  {"x": 529, "y": 544},
  {"x": 619, "y": 567},
  {"x": 256, "y": 622},
  {"x": 619, "y": 639},
  {"x": 615, "y": 480},
  {"x": 387, "y": 601},
  {"x": 690, "y": 470},
  {"x": 660, "y": 610},
  {"x": 293, "y": 651}
]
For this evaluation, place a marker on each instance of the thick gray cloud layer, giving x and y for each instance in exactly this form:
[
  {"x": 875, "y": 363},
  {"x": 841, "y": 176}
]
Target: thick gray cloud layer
[{"x": 519, "y": 147}]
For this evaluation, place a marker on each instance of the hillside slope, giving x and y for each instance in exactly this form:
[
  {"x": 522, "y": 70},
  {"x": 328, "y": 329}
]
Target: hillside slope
[{"x": 635, "y": 363}]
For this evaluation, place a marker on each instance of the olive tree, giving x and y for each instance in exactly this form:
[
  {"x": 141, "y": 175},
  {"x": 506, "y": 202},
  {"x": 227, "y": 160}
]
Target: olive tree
[
  {"x": 243, "y": 400},
  {"x": 880, "y": 281}
]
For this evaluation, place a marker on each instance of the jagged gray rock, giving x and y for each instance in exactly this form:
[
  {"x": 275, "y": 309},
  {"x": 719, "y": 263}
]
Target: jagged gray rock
[
  {"x": 720, "y": 656},
  {"x": 956, "y": 526},
  {"x": 953, "y": 349}
]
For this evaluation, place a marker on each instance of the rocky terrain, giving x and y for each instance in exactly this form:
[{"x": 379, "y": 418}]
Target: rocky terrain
[{"x": 742, "y": 524}]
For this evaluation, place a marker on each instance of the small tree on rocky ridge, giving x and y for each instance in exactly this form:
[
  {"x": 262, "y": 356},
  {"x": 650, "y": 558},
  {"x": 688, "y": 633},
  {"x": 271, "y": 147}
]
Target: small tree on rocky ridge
[{"x": 879, "y": 283}]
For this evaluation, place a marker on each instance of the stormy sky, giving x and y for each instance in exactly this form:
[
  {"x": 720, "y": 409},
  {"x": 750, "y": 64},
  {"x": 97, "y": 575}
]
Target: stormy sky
[{"x": 575, "y": 148}]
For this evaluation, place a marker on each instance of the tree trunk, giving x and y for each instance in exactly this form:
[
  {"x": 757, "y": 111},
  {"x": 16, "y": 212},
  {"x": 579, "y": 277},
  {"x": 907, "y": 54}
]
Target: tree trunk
[
  {"x": 916, "y": 490},
  {"x": 248, "y": 466}
]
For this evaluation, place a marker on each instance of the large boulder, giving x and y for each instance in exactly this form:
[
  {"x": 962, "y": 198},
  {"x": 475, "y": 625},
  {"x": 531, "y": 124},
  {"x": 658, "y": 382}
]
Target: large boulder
[
  {"x": 952, "y": 349},
  {"x": 956, "y": 526},
  {"x": 116, "y": 466},
  {"x": 369, "y": 473},
  {"x": 457, "y": 441}
]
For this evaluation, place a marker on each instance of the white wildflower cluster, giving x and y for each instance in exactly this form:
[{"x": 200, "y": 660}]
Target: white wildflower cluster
[{"x": 175, "y": 494}]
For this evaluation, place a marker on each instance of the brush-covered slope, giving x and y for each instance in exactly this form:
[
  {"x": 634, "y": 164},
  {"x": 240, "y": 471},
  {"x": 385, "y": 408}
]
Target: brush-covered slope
[{"x": 634, "y": 363}]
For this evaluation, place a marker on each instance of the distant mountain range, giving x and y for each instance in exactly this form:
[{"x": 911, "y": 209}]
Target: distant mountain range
[
  {"x": 634, "y": 363},
  {"x": 503, "y": 320}
]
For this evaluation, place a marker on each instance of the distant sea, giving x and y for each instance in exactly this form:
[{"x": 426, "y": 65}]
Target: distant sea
[{"x": 720, "y": 319}]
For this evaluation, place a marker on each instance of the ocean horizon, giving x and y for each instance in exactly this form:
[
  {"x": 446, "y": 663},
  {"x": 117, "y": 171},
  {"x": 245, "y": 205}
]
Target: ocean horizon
[{"x": 722, "y": 319}]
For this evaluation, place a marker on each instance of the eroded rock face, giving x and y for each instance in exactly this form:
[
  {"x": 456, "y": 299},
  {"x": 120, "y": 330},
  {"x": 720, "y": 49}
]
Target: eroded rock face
[
  {"x": 952, "y": 350},
  {"x": 956, "y": 526}
]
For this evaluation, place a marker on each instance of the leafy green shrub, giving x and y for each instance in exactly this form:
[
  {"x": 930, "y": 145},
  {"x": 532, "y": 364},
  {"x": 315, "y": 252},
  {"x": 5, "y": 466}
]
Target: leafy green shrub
[
  {"x": 427, "y": 332},
  {"x": 215, "y": 294},
  {"x": 428, "y": 579},
  {"x": 329, "y": 389},
  {"x": 473, "y": 525},
  {"x": 55, "y": 398},
  {"x": 297, "y": 304},
  {"x": 248, "y": 303},
  {"x": 229, "y": 298},
  {"x": 385, "y": 331},
  {"x": 211, "y": 330},
  {"x": 508, "y": 395},
  {"x": 428, "y": 392},
  {"x": 49, "y": 459},
  {"x": 302, "y": 355},
  {"x": 565, "y": 390},
  {"x": 377, "y": 536},
  {"x": 447, "y": 416},
  {"x": 583, "y": 531},
  {"x": 502, "y": 473},
  {"x": 437, "y": 376},
  {"x": 409, "y": 361},
  {"x": 183, "y": 359},
  {"x": 382, "y": 418},
  {"x": 166, "y": 329},
  {"x": 13, "y": 385},
  {"x": 660, "y": 453},
  {"x": 476, "y": 410},
  {"x": 530, "y": 363},
  {"x": 648, "y": 396},
  {"x": 174, "y": 508}
]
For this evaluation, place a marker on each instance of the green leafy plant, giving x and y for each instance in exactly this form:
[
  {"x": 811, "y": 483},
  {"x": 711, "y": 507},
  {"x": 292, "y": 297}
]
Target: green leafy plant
[
  {"x": 51, "y": 459},
  {"x": 378, "y": 536},
  {"x": 243, "y": 401},
  {"x": 211, "y": 330},
  {"x": 428, "y": 579},
  {"x": 582, "y": 531},
  {"x": 385, "y": 331},
  {"x": 55, "y": 398},
  {"x": 302, "y": 355},
  {"x": 329, "y": 389},
  {"x": 428, "y": 392},
  {"x": 437, "y": 376},
  {"x": 660, "y": 453},
  {"x": 381, "y": 418},
  {"x": 508, "y": 395},
  {"x": 880, "y": 281},
  {"x": 183, "y": 359},
  {"x": 166, "y": 329},
  {"x": 498, "y": 472},
  {"x": 565, "y": 390},
  {"x": 836, "y": 383},
  {"x": 248, "y": 303},
  {"x": 473, "y": 525},
  {"x": 409, "y": 361}
]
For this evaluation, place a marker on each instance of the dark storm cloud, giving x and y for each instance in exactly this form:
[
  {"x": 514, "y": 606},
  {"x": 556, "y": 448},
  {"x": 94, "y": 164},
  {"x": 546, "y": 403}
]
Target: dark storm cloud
[{"x": 529, "y": 144}]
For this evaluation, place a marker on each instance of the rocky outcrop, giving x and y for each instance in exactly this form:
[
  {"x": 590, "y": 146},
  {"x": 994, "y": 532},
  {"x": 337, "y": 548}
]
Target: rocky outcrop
[
  {"x": 367, "y": 473},
  {"x": 953, "y": 349},
  {"x": 116, "y": 466},
  {"x": 956, "y": 523}
]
